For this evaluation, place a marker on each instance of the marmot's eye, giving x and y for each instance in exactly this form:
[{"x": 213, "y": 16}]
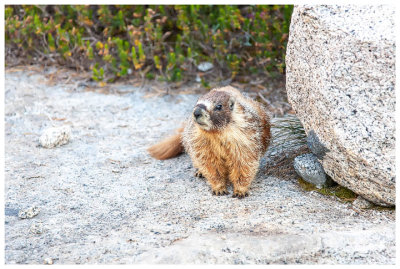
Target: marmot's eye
[{"x": 218, "y": 107}]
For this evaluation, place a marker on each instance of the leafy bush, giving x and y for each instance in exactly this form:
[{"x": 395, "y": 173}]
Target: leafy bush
[{"x": 167, "y": 42}]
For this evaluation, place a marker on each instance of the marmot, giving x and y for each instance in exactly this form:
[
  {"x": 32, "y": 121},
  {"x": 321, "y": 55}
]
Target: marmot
[{"x": 226, "y": 136}]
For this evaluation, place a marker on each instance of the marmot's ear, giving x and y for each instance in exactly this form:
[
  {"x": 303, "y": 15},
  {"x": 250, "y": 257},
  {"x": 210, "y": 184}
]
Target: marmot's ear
[{"x": 231, "y": 103}]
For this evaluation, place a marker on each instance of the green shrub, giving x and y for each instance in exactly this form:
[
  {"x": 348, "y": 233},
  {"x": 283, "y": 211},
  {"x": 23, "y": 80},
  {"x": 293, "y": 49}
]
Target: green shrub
[{"x": 167, "y": 42}]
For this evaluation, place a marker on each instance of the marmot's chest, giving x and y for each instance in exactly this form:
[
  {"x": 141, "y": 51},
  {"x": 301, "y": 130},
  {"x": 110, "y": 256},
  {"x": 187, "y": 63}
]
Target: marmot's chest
[{"x": 227, "y": 145}]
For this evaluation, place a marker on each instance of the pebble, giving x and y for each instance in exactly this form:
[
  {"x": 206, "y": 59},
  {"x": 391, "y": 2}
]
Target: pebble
[
  {"x": 55, "y": 136},
  {"x": 48, "y": 261}
]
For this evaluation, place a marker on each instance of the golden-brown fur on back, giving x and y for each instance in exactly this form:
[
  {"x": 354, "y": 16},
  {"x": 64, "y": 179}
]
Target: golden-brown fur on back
[{"x": 168, "y": 148}]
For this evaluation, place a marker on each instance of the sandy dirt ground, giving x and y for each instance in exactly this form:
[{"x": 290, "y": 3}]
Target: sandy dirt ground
[{"x": 104, "y": 200}]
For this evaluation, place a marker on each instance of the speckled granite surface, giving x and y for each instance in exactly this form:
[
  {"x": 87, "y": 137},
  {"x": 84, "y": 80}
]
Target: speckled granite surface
[{"x": 341, "y": 83}]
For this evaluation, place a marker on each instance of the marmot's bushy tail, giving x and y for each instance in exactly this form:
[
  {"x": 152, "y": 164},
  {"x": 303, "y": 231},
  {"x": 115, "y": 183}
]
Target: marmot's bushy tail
[{"x": 167, "y": 148}]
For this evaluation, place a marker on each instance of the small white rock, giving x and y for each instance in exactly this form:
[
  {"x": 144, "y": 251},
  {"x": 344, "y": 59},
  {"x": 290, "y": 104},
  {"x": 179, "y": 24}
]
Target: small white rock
[
  {"x": 198, "y": 79},
  {"x": 205, "y": 66},
  {"x": 48, "y": 261},
  {"x": 28, "y": 213},
  {"x": 55, "y": 136}
]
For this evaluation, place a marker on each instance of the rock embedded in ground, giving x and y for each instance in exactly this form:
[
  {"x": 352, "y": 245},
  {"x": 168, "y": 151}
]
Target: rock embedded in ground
[
  {"x": 55, "y": 136},
  {"x": 361, "y": 203},
  {"x": 36, "y": 227},
  {"x": 340, "y": 81},
  {"x": 309, "y": 169}
]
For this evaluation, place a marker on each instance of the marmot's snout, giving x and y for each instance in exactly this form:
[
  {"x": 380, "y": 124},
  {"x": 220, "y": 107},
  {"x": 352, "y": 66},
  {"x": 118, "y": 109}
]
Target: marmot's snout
[
  {"x": 201, "y": 116},
  {"x": 197, "y": 113}
]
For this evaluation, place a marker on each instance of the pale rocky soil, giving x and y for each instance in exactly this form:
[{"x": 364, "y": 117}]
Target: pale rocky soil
[{"x": 102, "y": 199}]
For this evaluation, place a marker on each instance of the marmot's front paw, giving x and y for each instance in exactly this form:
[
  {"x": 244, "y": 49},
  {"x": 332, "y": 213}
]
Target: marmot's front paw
[
  {"x": 219, "y": 192},
  {"x": 198, "y": 174},
  {"x": 240, "y": 194}
]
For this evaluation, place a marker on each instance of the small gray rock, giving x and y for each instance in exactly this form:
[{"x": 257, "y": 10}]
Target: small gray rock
[
  {"x": 29, "y": 212},
  {"x": 361, "y": 203},
  {"x": 308, "y": 167},
  {"x": 55, "y": 136}
]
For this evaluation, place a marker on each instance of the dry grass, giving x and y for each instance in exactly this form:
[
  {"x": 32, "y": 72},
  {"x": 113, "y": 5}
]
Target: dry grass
[
  {"x": 288, "y": 142},
  {"x": 281, "y": 165}
]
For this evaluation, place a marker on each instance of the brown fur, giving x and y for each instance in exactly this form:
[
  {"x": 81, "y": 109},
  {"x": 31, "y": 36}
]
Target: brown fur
[{"x": 225, "y": 143}]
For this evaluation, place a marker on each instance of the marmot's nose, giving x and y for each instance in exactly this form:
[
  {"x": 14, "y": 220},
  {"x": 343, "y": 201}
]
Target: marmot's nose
[{"x": 197, "y": 112}]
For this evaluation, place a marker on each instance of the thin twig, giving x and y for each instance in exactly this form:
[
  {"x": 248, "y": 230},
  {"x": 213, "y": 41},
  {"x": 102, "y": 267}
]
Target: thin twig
[{"x": 265, "y": 100}]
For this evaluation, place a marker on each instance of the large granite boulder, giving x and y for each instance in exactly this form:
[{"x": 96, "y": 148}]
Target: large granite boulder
[{"x": 341, "y": 83}]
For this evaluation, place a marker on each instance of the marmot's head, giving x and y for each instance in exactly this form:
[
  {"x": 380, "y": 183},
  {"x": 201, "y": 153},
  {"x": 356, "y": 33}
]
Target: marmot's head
[{"x": 213, "y": 110}]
